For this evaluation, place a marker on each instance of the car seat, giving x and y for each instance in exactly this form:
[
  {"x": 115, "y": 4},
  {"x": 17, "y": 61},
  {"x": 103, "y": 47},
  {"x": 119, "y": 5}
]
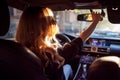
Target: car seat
[{"x": 16, "y": 61}]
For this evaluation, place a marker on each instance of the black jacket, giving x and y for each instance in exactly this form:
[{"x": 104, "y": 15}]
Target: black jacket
[{"x": 68, "y": 51}]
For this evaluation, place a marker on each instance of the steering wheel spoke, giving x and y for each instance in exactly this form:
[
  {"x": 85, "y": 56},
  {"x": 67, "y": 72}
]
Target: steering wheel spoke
[{"x": 62, "y": 38}]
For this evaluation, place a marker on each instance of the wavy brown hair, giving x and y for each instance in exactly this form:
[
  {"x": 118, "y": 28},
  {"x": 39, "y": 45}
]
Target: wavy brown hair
[{"x": 36, "y": 30}]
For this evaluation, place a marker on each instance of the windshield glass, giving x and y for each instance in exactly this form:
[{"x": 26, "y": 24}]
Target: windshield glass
[{"x": 68, "y": 23}]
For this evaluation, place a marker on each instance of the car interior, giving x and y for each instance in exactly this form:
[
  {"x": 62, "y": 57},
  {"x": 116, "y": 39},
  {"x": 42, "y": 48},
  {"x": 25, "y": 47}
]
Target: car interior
[{"x": 19, "y": 63}]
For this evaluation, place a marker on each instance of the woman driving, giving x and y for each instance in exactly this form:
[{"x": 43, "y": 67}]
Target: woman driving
[{"x": 37, "y": 29}]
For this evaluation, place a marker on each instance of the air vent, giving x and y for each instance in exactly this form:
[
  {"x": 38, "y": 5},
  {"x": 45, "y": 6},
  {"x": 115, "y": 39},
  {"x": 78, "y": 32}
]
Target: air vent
[
  {"x": 87, "y": 48},
  {"x": 102, "y": 49}
]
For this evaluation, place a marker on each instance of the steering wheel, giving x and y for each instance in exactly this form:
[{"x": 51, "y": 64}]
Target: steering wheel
[{"x": 62, "y": 38}]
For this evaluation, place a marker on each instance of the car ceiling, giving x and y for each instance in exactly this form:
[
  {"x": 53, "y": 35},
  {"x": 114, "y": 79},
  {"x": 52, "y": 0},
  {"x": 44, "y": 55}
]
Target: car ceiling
[
  {"x": 72, "y": 4},
  {"x": 55, "y": 4},
  {"x": 62, "y": 4}
]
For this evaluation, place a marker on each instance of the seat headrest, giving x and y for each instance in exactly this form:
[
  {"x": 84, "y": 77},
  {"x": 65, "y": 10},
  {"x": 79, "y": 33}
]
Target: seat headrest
[{"x": 4, "y": 17}]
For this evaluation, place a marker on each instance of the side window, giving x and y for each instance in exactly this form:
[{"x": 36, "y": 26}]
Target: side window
[{"x": 14, "y": 18}]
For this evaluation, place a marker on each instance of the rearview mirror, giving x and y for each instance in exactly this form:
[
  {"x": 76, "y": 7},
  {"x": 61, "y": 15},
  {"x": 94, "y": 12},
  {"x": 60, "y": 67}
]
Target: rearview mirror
[{"x": 84, "y": 17}]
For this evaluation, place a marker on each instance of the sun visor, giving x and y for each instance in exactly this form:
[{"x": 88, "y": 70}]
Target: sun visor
[
  {"x": 114, "y": 14},
  {"x": 4, "y": 18}
]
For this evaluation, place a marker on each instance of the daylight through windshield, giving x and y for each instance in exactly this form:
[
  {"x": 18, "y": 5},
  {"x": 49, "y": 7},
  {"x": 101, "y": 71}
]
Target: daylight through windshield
[{"x": 67, "y": 21}]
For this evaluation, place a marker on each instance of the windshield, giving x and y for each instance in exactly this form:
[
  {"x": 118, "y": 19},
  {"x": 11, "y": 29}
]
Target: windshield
[{"x": 68, "y": 24}]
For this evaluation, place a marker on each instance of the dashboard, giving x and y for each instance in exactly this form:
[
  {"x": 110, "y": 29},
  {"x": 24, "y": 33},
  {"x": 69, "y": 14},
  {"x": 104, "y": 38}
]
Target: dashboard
[
  {"x": 92, "y": 49},
  {"x": 102, "y": 46}
]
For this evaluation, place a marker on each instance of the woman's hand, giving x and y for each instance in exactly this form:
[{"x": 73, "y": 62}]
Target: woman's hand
[{"x": 96, "y": 16}]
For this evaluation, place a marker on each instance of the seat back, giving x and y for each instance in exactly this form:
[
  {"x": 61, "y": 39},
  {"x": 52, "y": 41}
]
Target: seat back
[
  {"x": 104, "y": 68},
  {"x": 16, "y": 61},
  {"x": 19, "y": 63},
  {"x": 4, "y": 17}
]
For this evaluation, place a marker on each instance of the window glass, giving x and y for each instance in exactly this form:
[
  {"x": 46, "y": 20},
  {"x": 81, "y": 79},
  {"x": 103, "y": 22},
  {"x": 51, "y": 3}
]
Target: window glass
[
  {"x": 67, "y": 22},
  {"x": 14, "y": 18}
]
